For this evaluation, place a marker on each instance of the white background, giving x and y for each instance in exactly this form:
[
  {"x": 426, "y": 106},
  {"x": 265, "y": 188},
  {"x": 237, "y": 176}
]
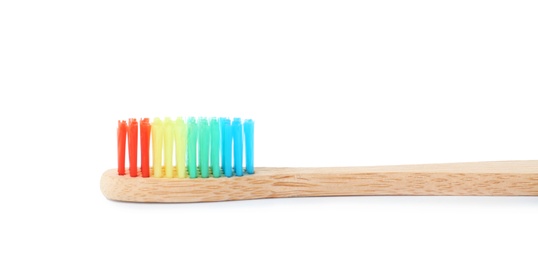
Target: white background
[{"x": 329, "y": 83}]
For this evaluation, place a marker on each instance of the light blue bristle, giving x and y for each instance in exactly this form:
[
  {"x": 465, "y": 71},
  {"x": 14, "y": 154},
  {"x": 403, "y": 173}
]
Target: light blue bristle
[
  {"x": 215, "y": 147},
  {"x": 238, "y": 146},
  {"x": 227, "y": 148},
  {"x": 249, "y": 144},
  {"x": 221, "y": 121}
]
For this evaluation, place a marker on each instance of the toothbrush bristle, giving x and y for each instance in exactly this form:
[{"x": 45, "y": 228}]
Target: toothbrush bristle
[
  {"x": 180, "y": 139},
  {"x": 192, "y": 138},
  {"x": 237, "y": 129},
  {"x": 122, "y": 135},
  {"x": 227, "y": 148},
  {"x": 215, "y": 147},
  {"x": 249, "y": 145},
  {"x": 198, "y": 144},
  {"x": 133, "y": 148},
  {"x": 157, "y": 142},
  {"x": 203, "y": 147},
  {"x": 145, "y": 131},
  {"x": 168, "y": 147}
]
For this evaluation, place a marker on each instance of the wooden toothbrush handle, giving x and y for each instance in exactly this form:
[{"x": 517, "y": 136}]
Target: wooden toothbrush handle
[{"x": 503, "y": 178}]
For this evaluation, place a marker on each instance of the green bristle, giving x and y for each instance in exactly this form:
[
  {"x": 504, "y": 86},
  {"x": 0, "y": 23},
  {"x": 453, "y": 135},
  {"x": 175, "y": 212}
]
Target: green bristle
[
  {"x": 192, "y": 136},
  {"x": 203, "y": 147}
]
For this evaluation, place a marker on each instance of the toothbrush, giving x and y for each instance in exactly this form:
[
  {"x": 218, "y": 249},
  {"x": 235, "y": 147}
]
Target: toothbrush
[{"x": 200, "y": 144}]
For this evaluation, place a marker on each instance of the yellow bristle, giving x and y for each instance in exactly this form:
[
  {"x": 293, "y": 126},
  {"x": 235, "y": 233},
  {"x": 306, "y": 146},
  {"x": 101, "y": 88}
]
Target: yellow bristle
[
  {"x": 168, "y": 147},
  {"x": 157, "y": 140},
  {"x": 180, "y": 137}
]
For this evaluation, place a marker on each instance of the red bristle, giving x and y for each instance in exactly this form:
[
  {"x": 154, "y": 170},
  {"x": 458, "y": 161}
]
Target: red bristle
[
  {"x": 145, "y": 129},
  {"x": 122, "y": 133},
  {"x": 133, "y": 148}
]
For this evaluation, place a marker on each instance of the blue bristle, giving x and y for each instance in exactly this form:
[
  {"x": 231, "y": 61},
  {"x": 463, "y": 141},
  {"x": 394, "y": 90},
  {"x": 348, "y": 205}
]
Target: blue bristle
[
  {"x": 238, "y": 146},
  {"x": 249, "y": 144}
]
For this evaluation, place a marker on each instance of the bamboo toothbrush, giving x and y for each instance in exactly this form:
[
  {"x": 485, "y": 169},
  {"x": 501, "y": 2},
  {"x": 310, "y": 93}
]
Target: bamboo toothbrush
[{"x": 200, "y": 144}]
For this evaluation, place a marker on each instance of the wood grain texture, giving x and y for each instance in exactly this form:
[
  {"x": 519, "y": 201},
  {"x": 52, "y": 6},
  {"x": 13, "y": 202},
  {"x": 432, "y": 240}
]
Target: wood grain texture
[{"x": 503, "y": 178}]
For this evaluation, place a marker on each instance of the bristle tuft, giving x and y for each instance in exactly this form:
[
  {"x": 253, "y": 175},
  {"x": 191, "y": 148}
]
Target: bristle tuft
[
  {"x": 192, "y": 137},
  {"x": 168, "y": 147},
  {"x": 180, "y": 138},
  {"x": 157, "y": 142},
  {"x": 249, "y": 145},
  {"x": 203, "y": 147},
  {"x": 227, "y": 150},
  {"x": 122, "y": 135},
  {"x": 132, "y": 135},
  {"x": 145, "y": 130},
  {"x": 215, "y": 149},
  {"x": 237, "y": 129}
]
